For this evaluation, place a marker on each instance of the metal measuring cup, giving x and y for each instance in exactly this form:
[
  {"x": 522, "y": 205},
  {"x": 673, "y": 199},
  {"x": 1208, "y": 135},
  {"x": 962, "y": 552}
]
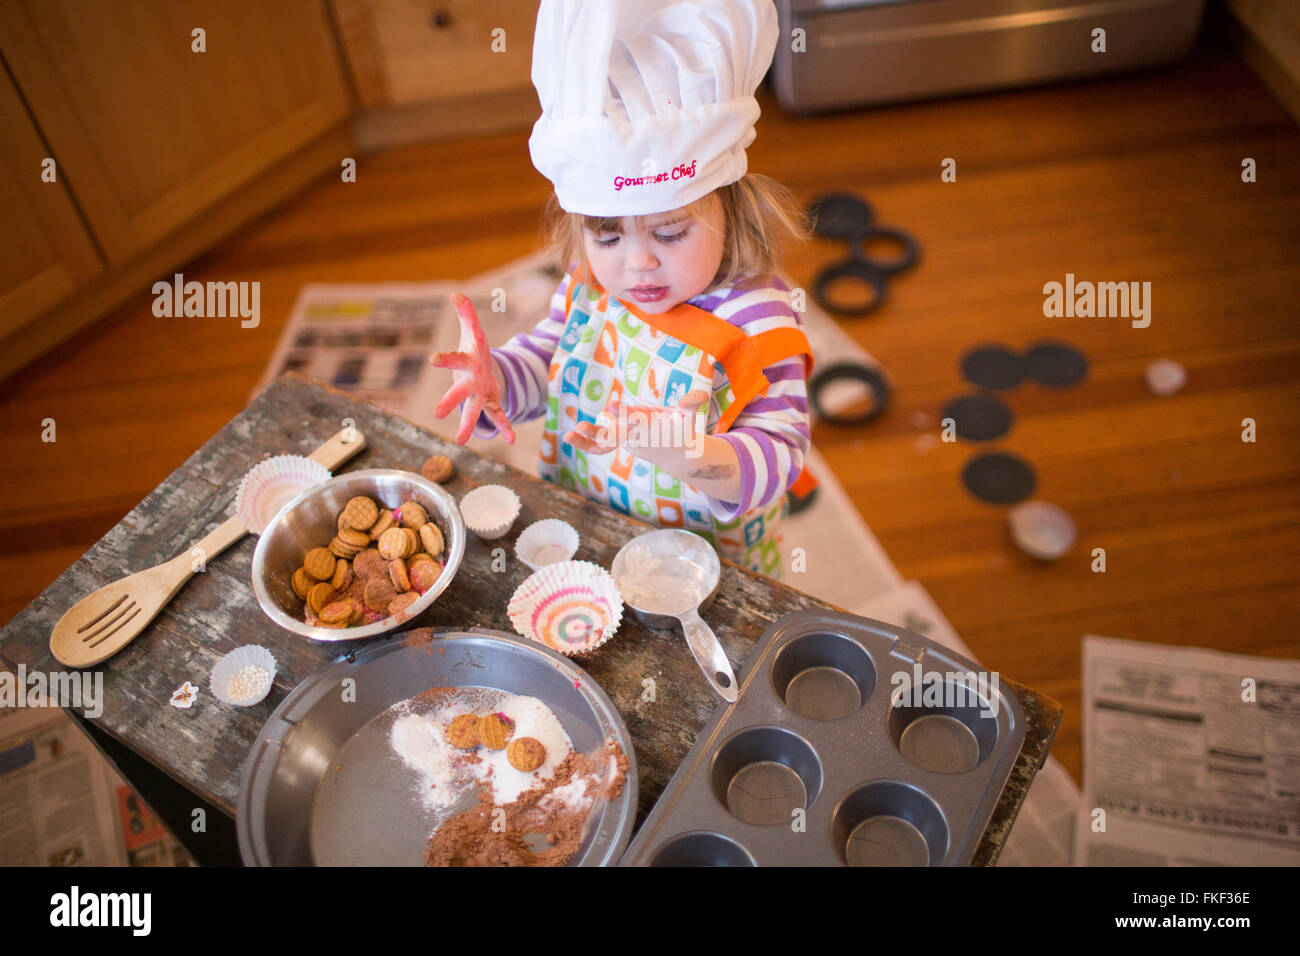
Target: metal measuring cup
[{"x": 693, "y": 562}]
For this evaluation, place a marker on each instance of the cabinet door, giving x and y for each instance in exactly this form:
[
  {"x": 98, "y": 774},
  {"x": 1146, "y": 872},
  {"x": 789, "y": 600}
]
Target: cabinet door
[
  {"x": 45, "y": 251},
  {"x": 406, "y": 52},
  {"x": 149, "y": 131}
]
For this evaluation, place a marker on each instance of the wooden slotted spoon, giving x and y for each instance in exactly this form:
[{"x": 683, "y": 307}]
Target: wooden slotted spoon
[{"x": 102, "y": 623}]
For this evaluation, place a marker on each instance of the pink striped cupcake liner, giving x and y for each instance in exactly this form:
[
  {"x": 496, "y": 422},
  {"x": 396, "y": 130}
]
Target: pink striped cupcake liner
[{"x": 572, "y": 607}]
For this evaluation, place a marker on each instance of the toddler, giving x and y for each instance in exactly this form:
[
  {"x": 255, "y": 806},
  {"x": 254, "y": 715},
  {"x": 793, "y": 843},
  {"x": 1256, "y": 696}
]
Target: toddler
[{"x": 671, "y": 368}]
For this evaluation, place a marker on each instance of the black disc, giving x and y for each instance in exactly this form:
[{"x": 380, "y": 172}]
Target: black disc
[
  {"x": 869, "y": 278},
  {"x": 978, "y": 417},
  {"x": 852, "y": 371},
  {"x": 839, "y": 215},
  {"x": 867, "y": 246},
  {"x": 800, "y": 503},
  {"x": 999, "y": 478},
  {"x": 993, "y": 366},
  {"x": 1055, "y": 364}
]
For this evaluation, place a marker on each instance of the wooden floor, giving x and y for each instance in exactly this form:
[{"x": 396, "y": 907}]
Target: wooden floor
[{"x": 1131, "y": 178}]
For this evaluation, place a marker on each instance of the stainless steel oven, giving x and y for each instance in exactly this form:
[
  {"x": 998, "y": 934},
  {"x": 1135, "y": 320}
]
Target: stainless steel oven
[{"x": 841, "y": 53}]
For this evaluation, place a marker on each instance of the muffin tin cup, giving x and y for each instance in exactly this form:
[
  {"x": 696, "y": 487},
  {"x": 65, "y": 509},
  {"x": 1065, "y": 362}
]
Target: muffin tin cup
[
  {"x": 879, "y": 784},
  {"x": 702, "y": 848}
]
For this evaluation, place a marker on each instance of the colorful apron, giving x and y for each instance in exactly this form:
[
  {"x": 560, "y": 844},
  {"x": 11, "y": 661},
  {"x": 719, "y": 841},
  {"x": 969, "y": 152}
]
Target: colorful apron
[{"x": 608, "y": 352}]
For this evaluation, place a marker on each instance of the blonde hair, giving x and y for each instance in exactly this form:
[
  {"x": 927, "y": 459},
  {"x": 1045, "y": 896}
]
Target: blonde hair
[{"x": 758, "y": 214}]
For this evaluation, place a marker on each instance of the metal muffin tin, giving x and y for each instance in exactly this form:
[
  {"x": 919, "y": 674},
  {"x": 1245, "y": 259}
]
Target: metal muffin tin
[
  {"x": 322, "y": 786},
  {"x": 815, "y": 727}
]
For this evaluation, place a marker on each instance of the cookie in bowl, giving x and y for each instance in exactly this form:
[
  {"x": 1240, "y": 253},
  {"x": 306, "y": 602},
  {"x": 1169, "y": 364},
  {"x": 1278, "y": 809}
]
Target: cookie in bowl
[{"x": 359, "y": 554}]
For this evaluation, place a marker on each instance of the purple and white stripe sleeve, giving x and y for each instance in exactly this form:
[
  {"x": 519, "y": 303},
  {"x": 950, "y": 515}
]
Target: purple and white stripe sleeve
[
  {"x": 771, "y": 436},
  {"x": 525, "y": 363}
]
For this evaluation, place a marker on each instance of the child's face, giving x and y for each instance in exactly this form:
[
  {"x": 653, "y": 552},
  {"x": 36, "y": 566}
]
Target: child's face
[{"x": 672, "y": 252}]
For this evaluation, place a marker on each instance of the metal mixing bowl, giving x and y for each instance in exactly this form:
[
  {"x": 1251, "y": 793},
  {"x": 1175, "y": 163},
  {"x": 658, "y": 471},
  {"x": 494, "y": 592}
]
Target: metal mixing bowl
[
  {"x": 311, "y": 521},
  {"x": 322, "y": 783}
]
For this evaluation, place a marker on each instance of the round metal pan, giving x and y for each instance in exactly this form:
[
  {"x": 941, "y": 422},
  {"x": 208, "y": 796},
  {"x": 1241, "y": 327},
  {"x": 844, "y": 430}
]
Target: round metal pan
[{"x": 321, "y": 784}]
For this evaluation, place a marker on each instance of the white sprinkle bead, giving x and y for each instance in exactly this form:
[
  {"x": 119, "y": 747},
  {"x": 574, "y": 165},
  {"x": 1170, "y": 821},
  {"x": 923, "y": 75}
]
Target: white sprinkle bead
[
  {"x": 244, "y": 676},
  {"x": 249, "y": 682}
]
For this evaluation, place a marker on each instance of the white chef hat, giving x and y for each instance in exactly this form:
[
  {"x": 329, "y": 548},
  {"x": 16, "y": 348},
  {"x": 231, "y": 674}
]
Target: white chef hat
[{"x": 647, "y": 105}]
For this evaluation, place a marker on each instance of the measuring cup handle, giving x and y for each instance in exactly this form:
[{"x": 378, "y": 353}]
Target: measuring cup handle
[{"x": 709, "y": 655}]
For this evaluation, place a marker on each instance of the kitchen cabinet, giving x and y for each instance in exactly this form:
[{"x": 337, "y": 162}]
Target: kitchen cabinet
[
  {"x": 443, "y": 50},
  {"x": 149, "y": 131},
  {"x": 45, "y": 251},
  {"x": 427, "y": 69},
  {"x": 171, "y": 124},
  {"x": 174, "y": 122}
]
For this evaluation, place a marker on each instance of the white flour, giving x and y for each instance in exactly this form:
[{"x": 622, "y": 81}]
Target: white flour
[
  {"x": 446, "y": 774},
  {"x": 661, "y": 586}
]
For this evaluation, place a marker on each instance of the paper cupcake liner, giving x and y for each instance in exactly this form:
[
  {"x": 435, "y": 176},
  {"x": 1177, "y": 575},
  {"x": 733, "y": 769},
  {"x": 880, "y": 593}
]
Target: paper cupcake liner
[
  {"x": 1042, "y": 529},
  {"x": 271, "y": 485},
  {"x": 546, "y": 542},
  {"x": 490, "y": 510},
  {"x": 1165, "y": 376},
  {"x": 250, "y": 655},
  {"x": 572, "y": 607}
]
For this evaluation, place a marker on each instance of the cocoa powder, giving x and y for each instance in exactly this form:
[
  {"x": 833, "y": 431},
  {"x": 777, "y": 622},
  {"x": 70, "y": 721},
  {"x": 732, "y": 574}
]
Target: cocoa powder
[
  {"x": 421, "y": 638},
  {"x": 434, "y": 694},
  {"x": 470, "y": 838}
]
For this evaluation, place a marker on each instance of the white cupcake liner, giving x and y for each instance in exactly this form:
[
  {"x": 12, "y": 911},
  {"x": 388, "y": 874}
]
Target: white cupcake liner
[
  {"x": 250, "y": 655},
  {"x": 1165, "y": 376},
  {"x": 272, "y": 484},
  {"x": 1042, "y": 529},
  {"x": 572, "y": 607},
  {"x": 546, "y": 542},
  {"x": 490, "y": 510}
]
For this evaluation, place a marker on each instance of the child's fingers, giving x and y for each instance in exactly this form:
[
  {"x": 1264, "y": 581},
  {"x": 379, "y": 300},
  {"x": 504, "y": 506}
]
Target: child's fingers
[
  {"x": 578, "y": 440},
  {"x": 469, "y": 324},
  {"x": 455, "y": 395},
  {"x": 588, "y": 437},
  {"x": 468, "y": 419},
  {"x": 693, "y": 399},
  {"x": 497, "y": 416},
  {"x": 461, "y": 361},
  {"x": 585, "y": 430},
  {"x": 586, "y": 444}
]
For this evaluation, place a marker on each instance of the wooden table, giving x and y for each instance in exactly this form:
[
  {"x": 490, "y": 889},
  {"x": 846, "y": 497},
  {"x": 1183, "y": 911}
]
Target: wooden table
[{"x": 204, "y": 747}]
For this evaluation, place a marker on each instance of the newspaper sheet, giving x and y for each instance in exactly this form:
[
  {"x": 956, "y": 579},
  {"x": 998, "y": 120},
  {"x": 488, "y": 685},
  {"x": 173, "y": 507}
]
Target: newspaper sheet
[
  {"x": 56, "y": 793},
  {"x": 1192, "y": 755}
]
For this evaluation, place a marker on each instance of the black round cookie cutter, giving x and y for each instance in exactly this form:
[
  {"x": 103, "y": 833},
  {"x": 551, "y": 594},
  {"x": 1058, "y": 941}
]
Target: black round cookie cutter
[
  {"x": 855, "y": 371},
  {"x": 852, "y": 219}
]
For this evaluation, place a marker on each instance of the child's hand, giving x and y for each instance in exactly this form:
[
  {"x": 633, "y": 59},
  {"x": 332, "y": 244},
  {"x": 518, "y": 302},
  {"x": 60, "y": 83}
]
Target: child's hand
[
  {"x": 471, "y": 377},
  {"x": 640, "y": 426}
]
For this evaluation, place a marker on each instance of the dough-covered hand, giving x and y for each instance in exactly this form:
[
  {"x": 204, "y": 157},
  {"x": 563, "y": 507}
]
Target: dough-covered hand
[
  {"x": 634, "y": 426},
  {"x": 472, "y": 379}
]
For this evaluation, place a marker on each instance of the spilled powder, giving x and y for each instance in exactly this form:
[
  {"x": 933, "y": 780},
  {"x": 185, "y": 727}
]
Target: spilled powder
[
  {"x": 547, "y": 806},
  {"x": 542, "y": 827},
  {"x": 446, "y": 774}
]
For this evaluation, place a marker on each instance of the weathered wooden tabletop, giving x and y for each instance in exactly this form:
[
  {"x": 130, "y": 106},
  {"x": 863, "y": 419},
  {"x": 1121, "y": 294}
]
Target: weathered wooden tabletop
[{"x": 204, "y": 747}]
